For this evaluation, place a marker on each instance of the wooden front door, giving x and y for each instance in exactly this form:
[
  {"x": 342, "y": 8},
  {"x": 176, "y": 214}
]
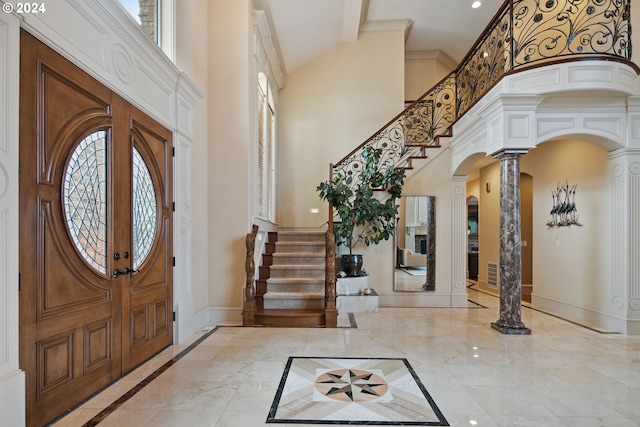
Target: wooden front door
[{"x": 95, "y": 234}]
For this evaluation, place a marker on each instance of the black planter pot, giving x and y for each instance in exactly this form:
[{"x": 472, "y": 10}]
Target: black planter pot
[{"x": 352, "y": 265}]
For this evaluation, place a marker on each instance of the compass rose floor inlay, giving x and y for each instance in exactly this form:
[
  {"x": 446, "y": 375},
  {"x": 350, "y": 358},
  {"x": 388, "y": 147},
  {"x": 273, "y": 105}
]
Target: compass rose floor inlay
[{"x": 370, "y": 391}]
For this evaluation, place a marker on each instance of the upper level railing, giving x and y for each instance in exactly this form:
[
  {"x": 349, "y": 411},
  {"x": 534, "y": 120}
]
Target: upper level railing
[{"x": 523, "y": 34}]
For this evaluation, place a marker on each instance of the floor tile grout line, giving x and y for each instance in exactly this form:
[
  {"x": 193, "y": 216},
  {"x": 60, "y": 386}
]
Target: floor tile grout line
[{"x": 146, "y": 381}]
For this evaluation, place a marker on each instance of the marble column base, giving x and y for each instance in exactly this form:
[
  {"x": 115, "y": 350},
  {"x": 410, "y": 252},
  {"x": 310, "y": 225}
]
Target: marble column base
[{"x": 508, "y": 330}]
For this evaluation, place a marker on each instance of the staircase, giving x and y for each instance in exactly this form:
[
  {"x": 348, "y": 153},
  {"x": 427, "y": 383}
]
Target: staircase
[{"x": 290, "y": 289}]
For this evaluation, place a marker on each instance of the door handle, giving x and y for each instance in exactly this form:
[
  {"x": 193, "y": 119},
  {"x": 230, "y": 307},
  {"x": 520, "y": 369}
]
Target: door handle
[
  {"x": 124, "y": 271},
  {"x": 128, "y": 270}
]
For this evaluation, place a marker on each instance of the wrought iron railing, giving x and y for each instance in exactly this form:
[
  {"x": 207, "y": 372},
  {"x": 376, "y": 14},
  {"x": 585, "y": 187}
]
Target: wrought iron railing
[{"x": 523, "y": 34}]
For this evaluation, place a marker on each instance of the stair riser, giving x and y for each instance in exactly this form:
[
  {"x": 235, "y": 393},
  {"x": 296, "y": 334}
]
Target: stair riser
[
  {"x": 299, "y": 260},
  {"x": 298, "y": 273},
  {"x": 295, "y": 287},
  {"x": 284, "y": 304},
  {"x": 300, "y": 248},
  {"x": 283, "y": 236}
]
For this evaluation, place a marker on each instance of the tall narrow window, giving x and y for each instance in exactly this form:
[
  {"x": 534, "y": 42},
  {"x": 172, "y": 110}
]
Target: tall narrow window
[
  {"x": 145, "y": 12},
  {"x": 266, "y": 152}
]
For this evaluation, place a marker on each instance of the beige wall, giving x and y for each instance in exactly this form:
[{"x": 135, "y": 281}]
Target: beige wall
[
  {"x": 572, "y": 264},
  {"x": 328, "y": 107},
  {"x": 488, "y": 219},
  {"x": 193, "y": 22},
  {"x": 423, "y": 70},
  {"x": 229, "y": 141},
  {"x": 526, "y": 228}
]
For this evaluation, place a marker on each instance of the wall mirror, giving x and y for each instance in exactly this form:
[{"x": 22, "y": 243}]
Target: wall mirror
[{"x": 415, "y": 237}]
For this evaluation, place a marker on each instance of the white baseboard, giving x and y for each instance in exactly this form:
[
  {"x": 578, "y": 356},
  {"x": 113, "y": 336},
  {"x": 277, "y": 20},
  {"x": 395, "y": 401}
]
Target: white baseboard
[
  {"x": 585, "y": 315},
  {"x": 415, "y": 299},
  {"x": 219, "y": 316},
  {"x": 12, "y": 400}
]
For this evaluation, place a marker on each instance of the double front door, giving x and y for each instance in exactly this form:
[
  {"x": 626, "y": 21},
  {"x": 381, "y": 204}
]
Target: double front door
[{"x": 95, "y": 234}]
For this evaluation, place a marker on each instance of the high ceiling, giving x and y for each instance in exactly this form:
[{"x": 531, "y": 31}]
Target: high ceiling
[{"x": 307, "y": 28}]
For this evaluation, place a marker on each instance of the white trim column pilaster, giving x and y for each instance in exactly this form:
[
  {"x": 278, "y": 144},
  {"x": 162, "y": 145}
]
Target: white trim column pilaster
[
  {"x": 12, "y": 379},
  {"x": 625, "y": 203},
  {"x": 459, "y": 241}
]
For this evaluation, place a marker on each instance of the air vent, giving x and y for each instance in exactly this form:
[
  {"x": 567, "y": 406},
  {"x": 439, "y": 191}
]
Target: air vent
[{"x": 492, "y": 274}]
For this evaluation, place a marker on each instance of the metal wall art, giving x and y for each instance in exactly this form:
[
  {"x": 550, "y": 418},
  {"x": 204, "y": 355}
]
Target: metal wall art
[{"x": 564, "y": 211}]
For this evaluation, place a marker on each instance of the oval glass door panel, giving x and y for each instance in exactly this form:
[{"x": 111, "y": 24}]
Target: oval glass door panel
[
  {"x": 85, "y": 199},
  {"x": 145, "y": 213}
]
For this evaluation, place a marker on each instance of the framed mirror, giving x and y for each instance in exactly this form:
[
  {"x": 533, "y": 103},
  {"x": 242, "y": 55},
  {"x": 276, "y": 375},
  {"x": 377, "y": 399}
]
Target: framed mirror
[{"x": 415, "y": 237}]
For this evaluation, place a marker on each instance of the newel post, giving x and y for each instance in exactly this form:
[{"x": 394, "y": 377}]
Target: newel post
[
  {"x": 330, "y": 312},
  {"x": 249, "y": 306}
]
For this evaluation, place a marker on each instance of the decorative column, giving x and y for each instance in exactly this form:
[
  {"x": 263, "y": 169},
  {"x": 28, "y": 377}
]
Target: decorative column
[
  {"x": 625, "y": 240},
  {"x": 510, "y": 245},
  {"x": 459, "y": 241}
]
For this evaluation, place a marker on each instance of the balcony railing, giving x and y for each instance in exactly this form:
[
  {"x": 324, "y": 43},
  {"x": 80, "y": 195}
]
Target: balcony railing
[{"x": 523, "y": 34}]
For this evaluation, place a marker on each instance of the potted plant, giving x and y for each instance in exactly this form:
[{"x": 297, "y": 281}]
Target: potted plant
[{"x": 366, "y": 215}]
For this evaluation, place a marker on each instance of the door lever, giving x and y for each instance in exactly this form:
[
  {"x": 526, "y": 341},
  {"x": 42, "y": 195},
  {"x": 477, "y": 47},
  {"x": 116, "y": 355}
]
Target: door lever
[{"x": 124, "y": 271}]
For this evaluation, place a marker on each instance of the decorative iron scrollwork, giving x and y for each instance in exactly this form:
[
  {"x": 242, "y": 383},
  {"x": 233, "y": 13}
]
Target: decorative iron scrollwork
[
  {"x": 523, "y": 33},
  {"x": 485, "y": 64},
  {"x": 554, "y": 28}
]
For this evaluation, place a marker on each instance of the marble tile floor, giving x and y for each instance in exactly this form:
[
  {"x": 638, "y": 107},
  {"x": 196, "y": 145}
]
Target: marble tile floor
[{"x": 564, "y": 374}]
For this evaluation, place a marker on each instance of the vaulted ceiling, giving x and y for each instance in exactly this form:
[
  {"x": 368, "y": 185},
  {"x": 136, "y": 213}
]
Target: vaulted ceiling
[{"x": 305, "y": 29}]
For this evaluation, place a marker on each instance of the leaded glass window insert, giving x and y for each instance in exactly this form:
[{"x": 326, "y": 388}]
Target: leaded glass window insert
[
  {"x": 145, "y": 214},
  {"x": 85, "y": 199}
]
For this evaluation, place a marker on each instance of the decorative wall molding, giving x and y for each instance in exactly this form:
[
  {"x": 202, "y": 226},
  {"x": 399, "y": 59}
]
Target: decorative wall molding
[
  {"x": 265, "y": 51},
  {"x": 552, "y": 102},
  {"x": 108, "y": 44},
  {"x": 459, "y": 234}
]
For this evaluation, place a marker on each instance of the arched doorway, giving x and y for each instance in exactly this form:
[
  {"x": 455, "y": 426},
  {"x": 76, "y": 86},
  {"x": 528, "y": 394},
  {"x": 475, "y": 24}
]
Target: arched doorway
[{"x": 472, "y": 237}]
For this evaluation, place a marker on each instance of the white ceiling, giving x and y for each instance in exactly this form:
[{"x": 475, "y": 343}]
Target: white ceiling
[{"x": 305, "y": 29}]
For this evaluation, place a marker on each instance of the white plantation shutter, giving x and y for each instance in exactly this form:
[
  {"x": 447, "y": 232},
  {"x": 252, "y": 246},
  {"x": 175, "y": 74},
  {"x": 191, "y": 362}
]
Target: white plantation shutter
[
  {"x": 271, "y": 165},
  {"x": 262, "y": 179},
  {"x": 266, "y": 167}
]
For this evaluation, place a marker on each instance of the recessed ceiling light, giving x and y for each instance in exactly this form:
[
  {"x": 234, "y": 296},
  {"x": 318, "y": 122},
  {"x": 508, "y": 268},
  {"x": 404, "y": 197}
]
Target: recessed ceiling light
[{"x": 476, "y": 4}]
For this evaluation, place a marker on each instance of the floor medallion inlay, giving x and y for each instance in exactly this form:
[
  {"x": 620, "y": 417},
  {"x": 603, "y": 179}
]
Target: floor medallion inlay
[{"x": 365, "y": 391}]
